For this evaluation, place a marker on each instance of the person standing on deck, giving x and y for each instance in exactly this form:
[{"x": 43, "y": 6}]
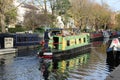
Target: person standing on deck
[
  {"x": 46, "y": 38},
  {"x": 59, "y": 23}
]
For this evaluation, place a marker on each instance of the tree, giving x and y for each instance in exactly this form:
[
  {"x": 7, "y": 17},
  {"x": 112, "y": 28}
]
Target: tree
[
  {"x": 88, "y": 13},
  {"x": 117, "y": 18},
  {"x": 42, "y": 4},
  {"x": 33, "y": 20},
  {"x": 81, "y": 11},
  {"x": 52, "y": 6},
  {"x": 7, "y": 13},
  {"x": 62, "y": 6},
  {"x": 36, "y": 18},
  {"x": 10, "y": 16}
]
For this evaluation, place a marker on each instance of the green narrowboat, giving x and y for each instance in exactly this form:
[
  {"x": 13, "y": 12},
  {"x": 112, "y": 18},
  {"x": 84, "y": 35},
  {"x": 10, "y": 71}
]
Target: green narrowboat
[{"x": 64, "y": 42}]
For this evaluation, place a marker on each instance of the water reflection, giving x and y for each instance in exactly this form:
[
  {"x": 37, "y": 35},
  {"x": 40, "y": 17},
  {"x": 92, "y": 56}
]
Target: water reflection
[
  {"x": 106, "y": 39},
  {"x": 5, "y": 59},
  {"x": 1, "y": 68},
  {"x": 97, "y": 43},
  {"x": 58, "y": 69},
  {"x": 112, "y": 61},
  {"x": 26, "y": 52}
]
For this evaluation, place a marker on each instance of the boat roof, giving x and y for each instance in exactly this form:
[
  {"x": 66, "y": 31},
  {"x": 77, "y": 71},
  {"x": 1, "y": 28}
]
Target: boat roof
[
  {"x": 54, "y": 29},
  {"x": 58, "y": 29}
]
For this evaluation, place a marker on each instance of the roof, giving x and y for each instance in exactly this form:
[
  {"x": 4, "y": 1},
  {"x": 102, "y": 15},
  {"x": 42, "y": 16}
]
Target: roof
[
  {"x": 54, "y": 29},
  {"x": 30, "y": 6}
]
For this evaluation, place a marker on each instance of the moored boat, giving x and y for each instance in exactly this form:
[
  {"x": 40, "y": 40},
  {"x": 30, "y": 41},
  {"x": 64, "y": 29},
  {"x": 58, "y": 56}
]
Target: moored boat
[
  {"x": 19, "y": 40},
  {"x": 64, "y": 42},
  {"x": 96, "y": 36},
  {"x": 113, "y": 50},
  {"x": 26, "y": 40}
]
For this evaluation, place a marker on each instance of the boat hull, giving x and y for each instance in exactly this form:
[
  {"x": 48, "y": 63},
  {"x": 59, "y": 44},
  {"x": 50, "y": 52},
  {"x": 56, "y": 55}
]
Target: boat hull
[
  {"x": 66, "y": 53},
  {"x": 96, "y": 36}
]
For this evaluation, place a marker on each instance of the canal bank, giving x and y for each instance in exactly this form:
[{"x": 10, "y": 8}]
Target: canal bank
[
  {"x": 8, "y": 51},
  {"x": 114, "y": 75}
]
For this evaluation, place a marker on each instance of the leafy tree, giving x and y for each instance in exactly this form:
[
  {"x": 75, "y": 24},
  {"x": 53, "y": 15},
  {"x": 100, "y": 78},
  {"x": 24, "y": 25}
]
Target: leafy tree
[
  {"x": 117, "y": 17},
  {"x": 18, "y": 28},
  {"x": 10, "y": 16},
  {"x": 88, "y": 13},
  {"x": 7, "y": 13},
  {"x": 62, "y": 6}
]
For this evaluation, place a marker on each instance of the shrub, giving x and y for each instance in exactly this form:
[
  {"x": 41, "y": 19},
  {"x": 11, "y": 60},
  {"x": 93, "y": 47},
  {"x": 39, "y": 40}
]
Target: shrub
[{"x": 18, "y": 28}]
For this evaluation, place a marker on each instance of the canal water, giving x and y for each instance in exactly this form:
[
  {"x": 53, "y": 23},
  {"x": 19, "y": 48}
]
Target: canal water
[{"x": 92, "y": 65}]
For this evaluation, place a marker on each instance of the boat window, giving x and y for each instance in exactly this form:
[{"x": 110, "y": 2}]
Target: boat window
[
  {"x": 68, "y": 43},
  {"x": 80, "y": 40},
  {"x": 75, "y": 41},
  {"x": 79, "y": 61},
  {"x": 25, "y": 38},
  {"x": 19, "y": 39},
  {"x": 67, "y": 64},
  {"x": 56, "y": 41},
  {"x": 84, "y": 40},
  {"x": 55, "y": 33}
]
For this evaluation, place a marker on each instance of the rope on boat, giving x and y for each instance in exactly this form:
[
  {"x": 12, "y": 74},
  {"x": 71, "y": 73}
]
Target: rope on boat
[{"x": 42, "y": 43}]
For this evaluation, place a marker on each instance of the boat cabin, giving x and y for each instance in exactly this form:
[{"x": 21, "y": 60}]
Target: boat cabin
[{"x": 64, "y": 39}]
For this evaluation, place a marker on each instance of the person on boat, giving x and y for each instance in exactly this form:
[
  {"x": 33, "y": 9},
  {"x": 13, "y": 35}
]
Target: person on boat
[{"x": 46, "y": 38}]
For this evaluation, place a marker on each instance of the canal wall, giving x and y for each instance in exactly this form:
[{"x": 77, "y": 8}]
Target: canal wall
[{"x": 114, "y": 75}]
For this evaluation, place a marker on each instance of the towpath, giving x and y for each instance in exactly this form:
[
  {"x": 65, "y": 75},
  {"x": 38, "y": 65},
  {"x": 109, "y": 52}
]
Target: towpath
[{"x": 115, "y": 75}]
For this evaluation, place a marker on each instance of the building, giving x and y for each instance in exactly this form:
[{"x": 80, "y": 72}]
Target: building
[{"x": 24, "y": 8}]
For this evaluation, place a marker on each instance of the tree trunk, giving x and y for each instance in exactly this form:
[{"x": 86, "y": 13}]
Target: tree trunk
[
  {"x": 80, "y": 23},
  {"x": 3, "y": 23},
  {"x": 105, "y": 26},
  {"x": 45, "y": 4}
]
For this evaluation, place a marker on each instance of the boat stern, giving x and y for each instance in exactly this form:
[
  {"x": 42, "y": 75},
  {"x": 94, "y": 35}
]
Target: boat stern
[{"x": 45, "y": 54}]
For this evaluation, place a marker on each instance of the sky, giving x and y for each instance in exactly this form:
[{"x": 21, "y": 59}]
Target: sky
[{"x": 114, "y": 4}]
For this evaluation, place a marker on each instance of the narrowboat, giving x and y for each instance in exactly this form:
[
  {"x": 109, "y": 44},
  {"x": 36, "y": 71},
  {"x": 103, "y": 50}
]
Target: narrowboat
[
  {"x": 96, "y": 36},
  {"x": 7, "y": 44},
  {"x": 14, "y": 42},
  {"x": 26, "y": 39},
  {"x": 64, "y": 42},
  {"x": 113, "y": 50},
  {"x": 114, "y": 34}
]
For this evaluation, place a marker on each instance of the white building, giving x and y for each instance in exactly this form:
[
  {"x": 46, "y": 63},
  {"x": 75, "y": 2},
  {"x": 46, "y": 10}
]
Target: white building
[{"x": 22, "y": 9}]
